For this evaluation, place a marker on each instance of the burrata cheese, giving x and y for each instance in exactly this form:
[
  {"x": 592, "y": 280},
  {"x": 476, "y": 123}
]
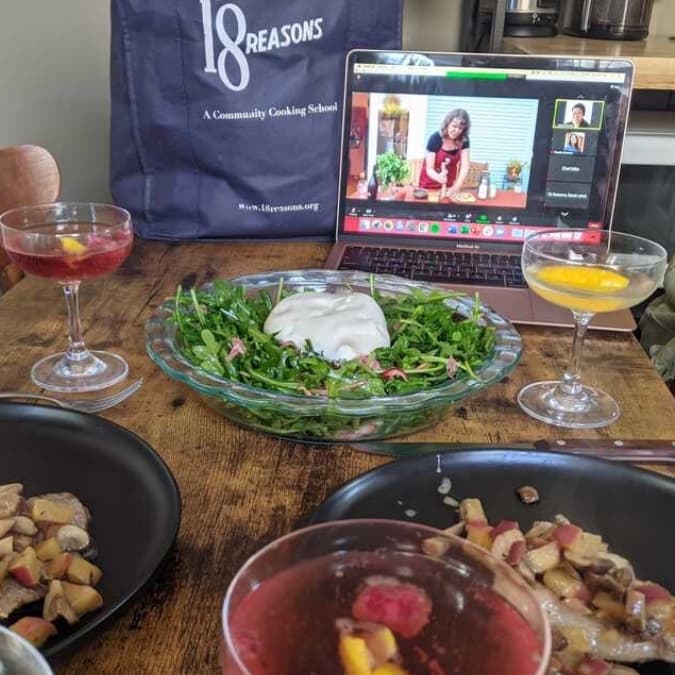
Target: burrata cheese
[{"x": 340, "y": 326}]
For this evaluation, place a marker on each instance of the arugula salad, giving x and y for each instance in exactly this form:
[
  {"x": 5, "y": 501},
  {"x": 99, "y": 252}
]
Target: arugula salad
[{"x": 220, "y": 330}]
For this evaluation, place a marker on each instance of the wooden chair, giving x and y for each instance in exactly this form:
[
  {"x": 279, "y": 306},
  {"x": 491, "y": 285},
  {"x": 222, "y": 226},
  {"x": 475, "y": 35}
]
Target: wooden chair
[
  {"x": 415, "y": 166},
  {"x": 28, "y": 175},
  {"x": 475, "y": 171}
]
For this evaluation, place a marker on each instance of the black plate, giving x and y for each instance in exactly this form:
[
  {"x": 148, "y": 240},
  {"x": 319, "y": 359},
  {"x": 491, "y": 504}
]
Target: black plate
[
  {"x": 631, "y": 508},
  {"x": 133, "y": 498}
]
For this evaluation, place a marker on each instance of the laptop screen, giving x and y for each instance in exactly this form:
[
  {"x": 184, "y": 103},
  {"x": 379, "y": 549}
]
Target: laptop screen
[{"x": 476, "y": 147}]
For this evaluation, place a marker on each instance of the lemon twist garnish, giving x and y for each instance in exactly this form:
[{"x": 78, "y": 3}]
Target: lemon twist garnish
[
  {"x": 355, "y": 657},
  {"x": 589, "y": 279},
  {"x": 371, "y": 654},
  {"x": 72, "y": 246}
]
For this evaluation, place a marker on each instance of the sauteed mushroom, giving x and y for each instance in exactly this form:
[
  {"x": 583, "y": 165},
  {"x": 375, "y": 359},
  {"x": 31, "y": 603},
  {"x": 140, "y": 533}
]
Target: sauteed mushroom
[{"x": 72, "y": 538}]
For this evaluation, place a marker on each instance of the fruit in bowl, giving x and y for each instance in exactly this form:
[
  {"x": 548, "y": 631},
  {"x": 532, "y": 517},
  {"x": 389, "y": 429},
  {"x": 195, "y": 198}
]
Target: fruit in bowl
[{"x": 353, "y": 356}]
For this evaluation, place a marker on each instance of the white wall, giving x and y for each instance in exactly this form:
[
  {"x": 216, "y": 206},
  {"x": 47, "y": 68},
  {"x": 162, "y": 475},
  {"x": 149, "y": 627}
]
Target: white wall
[
  {"x": 54, "y": 84},
  {"x": 663, "y": 18},
  {"x": 432, "y": 25}
]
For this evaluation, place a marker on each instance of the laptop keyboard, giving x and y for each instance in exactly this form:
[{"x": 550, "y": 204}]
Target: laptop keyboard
[{"x": 447, "y": 267}]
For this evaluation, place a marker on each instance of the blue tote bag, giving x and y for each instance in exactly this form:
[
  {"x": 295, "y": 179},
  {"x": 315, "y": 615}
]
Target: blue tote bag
[{"x": 226, "y": 116}]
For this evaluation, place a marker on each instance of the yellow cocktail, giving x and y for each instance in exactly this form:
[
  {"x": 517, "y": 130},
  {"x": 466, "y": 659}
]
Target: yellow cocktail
[
  {"x": 587, "y": 272},
  {"x": 588, "y": 289}
]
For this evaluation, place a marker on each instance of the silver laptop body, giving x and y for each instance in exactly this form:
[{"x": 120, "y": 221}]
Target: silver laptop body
[{"x": 538, "y": 147}]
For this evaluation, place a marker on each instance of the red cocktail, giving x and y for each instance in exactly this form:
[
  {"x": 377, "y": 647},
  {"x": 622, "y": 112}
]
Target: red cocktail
[
  {"x": 364, "y": 598},
  {"x": 69, "y": 242},
  {"x": 87, "y": 252}
]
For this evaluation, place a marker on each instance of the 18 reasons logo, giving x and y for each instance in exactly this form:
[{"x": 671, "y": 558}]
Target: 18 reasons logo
[{"x": 229, "y": 60}]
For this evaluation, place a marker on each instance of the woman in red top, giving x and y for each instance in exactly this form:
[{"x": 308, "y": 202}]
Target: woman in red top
[{"x": 447, "y": 160}]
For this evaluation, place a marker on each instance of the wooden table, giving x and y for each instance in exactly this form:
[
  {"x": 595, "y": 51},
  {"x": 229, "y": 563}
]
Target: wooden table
[{"x": 241, "y": 489}]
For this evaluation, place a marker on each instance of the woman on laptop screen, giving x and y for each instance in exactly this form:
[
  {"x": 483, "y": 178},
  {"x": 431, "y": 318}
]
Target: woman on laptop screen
[
  {"x": 574, "y": 143},
  {"x": 446, "y": 163}
]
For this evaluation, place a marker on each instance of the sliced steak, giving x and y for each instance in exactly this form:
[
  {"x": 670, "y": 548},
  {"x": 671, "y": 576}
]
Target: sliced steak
[
  {"x": 623, "y": 647},
  {"x": 13, "y": 595}
]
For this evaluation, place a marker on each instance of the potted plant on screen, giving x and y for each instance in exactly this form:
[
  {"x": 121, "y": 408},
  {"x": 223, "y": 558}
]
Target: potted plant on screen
[
  {"x": 392, "y": 170},
  {"x": 514, "y": 169}
]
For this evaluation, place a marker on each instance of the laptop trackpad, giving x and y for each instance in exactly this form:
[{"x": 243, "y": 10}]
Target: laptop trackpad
[
  {"x": 520, "y": 305},
  {"x": 512, "y": 303}
]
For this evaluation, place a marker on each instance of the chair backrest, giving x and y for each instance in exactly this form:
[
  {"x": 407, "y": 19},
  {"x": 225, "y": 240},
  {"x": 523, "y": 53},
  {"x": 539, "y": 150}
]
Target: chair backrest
[
  {"x": 414, "y": 166},
  {"x": 28, "y": 175},
  {"x": 475, "y": 171}
]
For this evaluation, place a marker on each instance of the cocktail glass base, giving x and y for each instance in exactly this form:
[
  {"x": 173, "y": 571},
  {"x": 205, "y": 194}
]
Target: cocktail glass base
[
  {"x": 94, "y": 371},
  {"x": 588, "y": 408}
]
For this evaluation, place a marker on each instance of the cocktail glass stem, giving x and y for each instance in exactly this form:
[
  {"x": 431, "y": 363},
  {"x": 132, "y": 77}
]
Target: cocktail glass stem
[
  {"x": 567, "y": 402},
  {"x": 589, "y": 272},
  {"x": 77, "y": 361},
  {"x": 78, "y": 369},
  {"x": 570, "y": 385},
  {"x": 76, "y": 352}
]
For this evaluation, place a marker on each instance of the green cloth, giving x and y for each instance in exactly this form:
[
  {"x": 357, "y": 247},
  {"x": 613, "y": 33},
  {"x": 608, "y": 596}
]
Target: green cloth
[
  {"x": 657, "y": 327},
  {"x": 663, "y": 358}
]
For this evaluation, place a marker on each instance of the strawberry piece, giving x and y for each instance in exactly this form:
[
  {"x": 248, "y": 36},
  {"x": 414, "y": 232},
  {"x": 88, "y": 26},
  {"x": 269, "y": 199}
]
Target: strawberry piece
[
  {"x": 503, "y": 526},
  {"x": 567, "y": 535},
  {"x": 403, "y": 608},
  {"x": 583, "y": 593},
  {"x": 653, "y": 591},
  {"x": 516, "y": 552},
  {"x": 592, "y": 666}
]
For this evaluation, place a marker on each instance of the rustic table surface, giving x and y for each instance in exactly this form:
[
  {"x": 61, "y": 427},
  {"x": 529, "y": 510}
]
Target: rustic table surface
[{"x": 241, "y": 489}]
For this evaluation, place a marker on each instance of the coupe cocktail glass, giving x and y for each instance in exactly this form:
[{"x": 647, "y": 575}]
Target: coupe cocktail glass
[
  {"x": 586, "y": 271},
  {"x": 294, "y": 606},
  {"x": 69, "y": 242}
]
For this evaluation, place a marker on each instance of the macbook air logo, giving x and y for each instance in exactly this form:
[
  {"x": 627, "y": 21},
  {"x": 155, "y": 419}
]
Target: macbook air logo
[
  {"x": 229, "y": 59},
  {"x": 469, "y": 246}
]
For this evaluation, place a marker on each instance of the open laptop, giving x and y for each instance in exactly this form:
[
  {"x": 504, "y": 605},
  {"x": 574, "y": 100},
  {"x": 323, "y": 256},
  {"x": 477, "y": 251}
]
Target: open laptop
[{"x": 539, "y": 144}]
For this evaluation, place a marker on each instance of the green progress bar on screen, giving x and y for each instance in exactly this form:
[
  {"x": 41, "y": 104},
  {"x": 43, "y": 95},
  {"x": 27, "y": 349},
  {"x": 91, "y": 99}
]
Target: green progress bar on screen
[{"x": 468, "y": 75}]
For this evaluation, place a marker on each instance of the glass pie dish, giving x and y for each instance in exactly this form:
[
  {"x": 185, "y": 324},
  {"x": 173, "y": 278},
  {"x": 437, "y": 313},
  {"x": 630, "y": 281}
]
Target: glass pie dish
[{"x": 318, "y": 417}]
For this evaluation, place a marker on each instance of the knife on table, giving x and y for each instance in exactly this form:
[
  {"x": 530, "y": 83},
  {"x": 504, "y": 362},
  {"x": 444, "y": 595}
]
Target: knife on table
[{"x": 657, "y": 451}]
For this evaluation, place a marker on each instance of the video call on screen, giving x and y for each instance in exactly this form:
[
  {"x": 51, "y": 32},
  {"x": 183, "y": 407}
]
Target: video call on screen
[{"x": 539, "y": 149}]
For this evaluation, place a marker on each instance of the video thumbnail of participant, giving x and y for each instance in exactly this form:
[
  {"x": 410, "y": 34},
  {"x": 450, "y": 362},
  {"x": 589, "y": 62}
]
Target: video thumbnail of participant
[{"x": 578, "y": 114}]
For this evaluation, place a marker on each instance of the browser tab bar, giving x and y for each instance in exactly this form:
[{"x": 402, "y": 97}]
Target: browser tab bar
[
  {"x": 489, "y": 73},
  {"x": 576, "y": 75}
]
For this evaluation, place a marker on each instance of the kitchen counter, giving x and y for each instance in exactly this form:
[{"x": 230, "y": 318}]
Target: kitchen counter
[{"x": 654, "y": 58}]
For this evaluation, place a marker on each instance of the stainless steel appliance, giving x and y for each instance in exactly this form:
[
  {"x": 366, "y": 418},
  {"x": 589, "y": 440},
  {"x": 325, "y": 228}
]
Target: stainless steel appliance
[
  {"x": 531, "y": 18},
  {"x": 486, "y": 22},
  {"x": 607, "y": 19}
]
